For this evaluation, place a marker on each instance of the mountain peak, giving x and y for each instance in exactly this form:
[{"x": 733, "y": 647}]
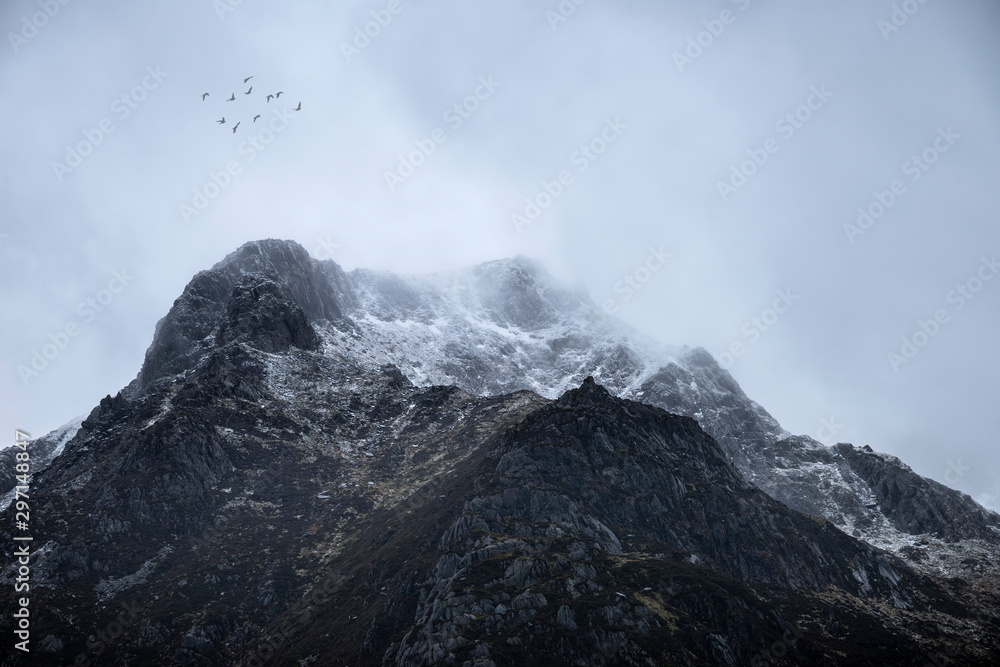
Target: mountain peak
[
  {"x": 264, "y": 254},
  {"x": 320, "y": 290},
  {"x": 589, "y": 391},
  {"x": 518, "y": 264}
]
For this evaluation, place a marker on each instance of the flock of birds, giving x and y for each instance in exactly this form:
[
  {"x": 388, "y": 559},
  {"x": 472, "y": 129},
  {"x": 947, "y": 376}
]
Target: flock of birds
[{"x": 232, "y": 98}]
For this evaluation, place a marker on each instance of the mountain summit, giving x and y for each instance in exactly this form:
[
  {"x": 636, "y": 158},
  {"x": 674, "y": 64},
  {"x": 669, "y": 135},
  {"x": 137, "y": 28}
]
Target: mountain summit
[{"x": 320, "y": 467}]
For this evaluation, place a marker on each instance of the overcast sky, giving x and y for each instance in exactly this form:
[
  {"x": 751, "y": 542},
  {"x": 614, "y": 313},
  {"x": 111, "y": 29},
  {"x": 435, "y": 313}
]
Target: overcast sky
[{"x": 820, "y": 108}]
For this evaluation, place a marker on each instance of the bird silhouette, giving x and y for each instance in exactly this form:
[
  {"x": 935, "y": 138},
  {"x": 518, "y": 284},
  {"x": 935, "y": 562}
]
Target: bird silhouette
[
  {"x": 234, "y": 127},
  {"x": 280, "y": 93},
  {"x": 298, "y": 108},
  {"x": 232, "y": 97},
  {"x": 269, "y": 97},
  {"x": 204, "y": 95},
  {"x": 256, "y": 117},
  {"x": 221, "y": 122},
  {"x": 247, "y": 79},
  {"x": 248, "y": 92}
]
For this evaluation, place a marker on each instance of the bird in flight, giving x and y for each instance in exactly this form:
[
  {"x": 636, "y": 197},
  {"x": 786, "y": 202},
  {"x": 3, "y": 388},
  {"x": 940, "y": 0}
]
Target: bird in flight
[
  {"x": 247, "y": 79},
  {"x": 298, "y": 108},
  {"x": 269, "y": 97},
  {"x": 248, "y": 92},
  {"x": 256, "y": 117},
  {"x": 204, "y": 95},
  {"x": 234, "y": 127},
  {"x": 280, "y": 92},
  {"x": 232, "y": 97},
  {"x": 221, "y": 122}
]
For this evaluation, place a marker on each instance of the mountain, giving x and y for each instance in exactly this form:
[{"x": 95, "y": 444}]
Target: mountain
[
  {"x": 321, "y": 467},
  {"x": 506, "y": 326}
]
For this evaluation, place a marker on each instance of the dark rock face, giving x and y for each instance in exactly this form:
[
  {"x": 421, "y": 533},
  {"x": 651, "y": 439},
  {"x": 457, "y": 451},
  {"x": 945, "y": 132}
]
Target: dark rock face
[
  {"x": 918, "y": 505},
  {"x": 318, "y": 289},
  {"x": 592, "y": 480},
  {"x": 261, "y": 314},
  {"x": 739, "y": 424},
  {"x": 660, "y": 475}
]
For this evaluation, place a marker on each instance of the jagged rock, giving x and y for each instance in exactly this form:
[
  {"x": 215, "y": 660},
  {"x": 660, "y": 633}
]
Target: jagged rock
[
  {"x": 566, "y": 618},
  {"x": 262, "y": 315},
  {"x": 319, "y": 288}
]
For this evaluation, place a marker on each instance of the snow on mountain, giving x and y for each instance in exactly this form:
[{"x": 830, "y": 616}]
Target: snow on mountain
[
  {"x": 505, "y": 325},
  {"x": 42, "y": 450},
  {"x": 500, "y": 327}
]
